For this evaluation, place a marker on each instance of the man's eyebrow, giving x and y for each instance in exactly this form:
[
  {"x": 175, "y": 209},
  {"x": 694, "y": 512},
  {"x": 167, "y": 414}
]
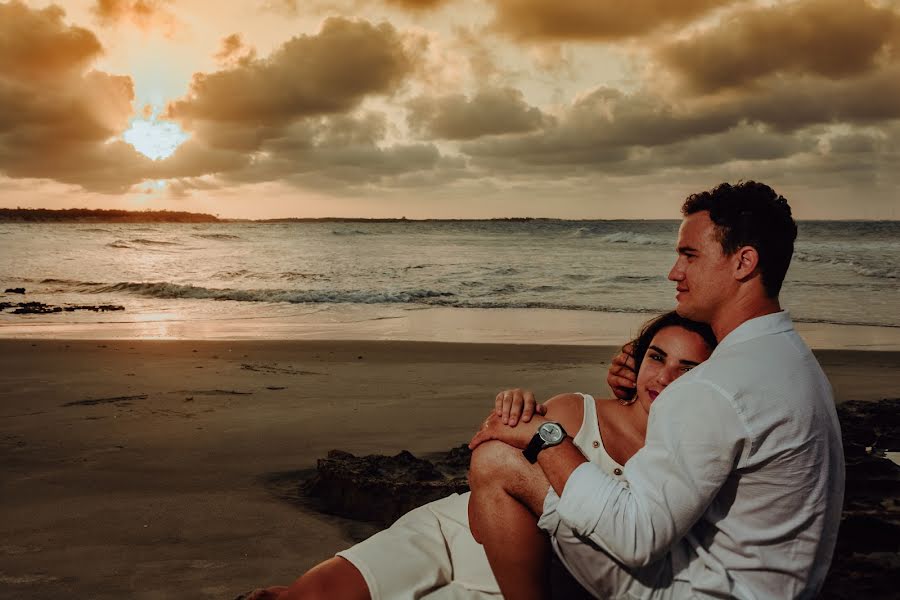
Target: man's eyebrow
[
  {"x": 683, "y": 249},
  {"x": 659, "y": 350}
]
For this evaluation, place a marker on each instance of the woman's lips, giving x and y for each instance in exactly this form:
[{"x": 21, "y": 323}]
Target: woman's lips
[{"x": 653, "y": 394}]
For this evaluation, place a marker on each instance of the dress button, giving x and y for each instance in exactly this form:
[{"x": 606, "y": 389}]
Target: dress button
[
  {"x": 596, "y": 444},
  {"x": 617, "y": 471}
]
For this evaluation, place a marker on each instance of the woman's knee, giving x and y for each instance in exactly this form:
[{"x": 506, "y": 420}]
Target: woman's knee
[{"x": 493, "y": 463}]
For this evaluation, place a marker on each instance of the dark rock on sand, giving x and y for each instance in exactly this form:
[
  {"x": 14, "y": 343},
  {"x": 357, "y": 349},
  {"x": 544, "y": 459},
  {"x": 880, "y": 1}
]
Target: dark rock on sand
[
  {"x": 867, "y": 557},
  {"x": 39, "y": 308},
  {"x": 14, "y": 291},
  {"x": 35, "y": 308},
  {"x": 382, "y": 488}
]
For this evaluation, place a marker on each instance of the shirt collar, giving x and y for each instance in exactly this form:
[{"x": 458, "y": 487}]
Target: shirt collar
[{"x": 778, "y": 322}]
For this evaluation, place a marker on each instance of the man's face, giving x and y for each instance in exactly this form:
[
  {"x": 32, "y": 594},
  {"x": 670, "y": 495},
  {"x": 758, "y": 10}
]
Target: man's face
[{"x": 702, "y": 273}]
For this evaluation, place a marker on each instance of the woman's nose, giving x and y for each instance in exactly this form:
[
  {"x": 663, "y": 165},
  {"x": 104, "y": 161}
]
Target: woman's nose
[{"x": 665, "y": 377}]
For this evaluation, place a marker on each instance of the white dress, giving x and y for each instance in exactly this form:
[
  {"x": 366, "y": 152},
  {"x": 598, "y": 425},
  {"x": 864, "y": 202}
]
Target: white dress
[{"x": 430, "y": 553}]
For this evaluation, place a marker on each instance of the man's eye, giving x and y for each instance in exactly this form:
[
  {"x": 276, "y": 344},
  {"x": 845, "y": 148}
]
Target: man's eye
[
  {"x": 656, "y": 357},
  {"x": 686, "y": 369}
]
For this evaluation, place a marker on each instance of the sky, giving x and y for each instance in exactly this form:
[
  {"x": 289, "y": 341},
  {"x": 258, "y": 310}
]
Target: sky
[{"x": 448, "y": 108}]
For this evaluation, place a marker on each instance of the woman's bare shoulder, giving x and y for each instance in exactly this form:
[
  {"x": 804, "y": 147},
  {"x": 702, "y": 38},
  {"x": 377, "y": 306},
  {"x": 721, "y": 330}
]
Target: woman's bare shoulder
[{"x": 568, "y": 409}]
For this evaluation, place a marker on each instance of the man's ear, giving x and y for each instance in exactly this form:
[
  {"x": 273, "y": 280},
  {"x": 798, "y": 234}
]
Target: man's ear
[{"x": 746, "y": 261}]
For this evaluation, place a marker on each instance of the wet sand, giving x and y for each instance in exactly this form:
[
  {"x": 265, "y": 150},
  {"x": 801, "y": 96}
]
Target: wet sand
[{"x": 151, "y": 469}]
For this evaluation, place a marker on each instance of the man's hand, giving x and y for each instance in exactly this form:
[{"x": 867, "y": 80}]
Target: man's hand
[
  {"x": 621, "y": 377},
  {"x": 494, "y": 429},
  {"x": 517, "y": 405}
]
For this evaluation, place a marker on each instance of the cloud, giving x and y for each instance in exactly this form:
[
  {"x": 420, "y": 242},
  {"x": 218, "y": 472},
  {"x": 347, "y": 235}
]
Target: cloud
[
  {"x": 37, "y": 45},
  {"x": 144, "y": 14},
  {"x": 330, "y": 72},
  {"x": 294, "y": 115},
  {"x": 491, "y": 111},
  {"x": 335, "y": 151},
  {"x": 56, "y": 119},
  {"x": 610, "y": 131},
  {"x": 233, "y": 51},
  {"x": 416, "y": 5},
  {"x": 594, "y": 20},
  {"x": 834, "y": 39}
]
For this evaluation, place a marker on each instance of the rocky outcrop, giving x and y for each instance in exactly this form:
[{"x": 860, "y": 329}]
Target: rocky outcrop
[
  {"x": 39, "y": 308},
  {"x": 867, "y": 558},
  {"x": 381, "y": 488}
]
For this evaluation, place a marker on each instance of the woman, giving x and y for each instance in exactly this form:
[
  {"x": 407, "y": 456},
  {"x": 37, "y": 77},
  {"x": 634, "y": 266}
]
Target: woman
[{"x": 430, "y": 552}]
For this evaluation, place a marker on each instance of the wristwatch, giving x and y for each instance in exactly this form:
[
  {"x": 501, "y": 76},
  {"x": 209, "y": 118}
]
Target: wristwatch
[{"x": 549, "y": 434}]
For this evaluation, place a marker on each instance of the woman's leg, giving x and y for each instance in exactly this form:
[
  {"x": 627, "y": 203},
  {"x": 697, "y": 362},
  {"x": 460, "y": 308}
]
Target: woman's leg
[
  {"x": 506, "y": 502},
  {"x": 334, "y": 579}
]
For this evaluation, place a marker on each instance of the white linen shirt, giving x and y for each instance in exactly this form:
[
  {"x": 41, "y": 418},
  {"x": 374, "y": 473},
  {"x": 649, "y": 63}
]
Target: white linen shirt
[{"x": 741, "y": 480}]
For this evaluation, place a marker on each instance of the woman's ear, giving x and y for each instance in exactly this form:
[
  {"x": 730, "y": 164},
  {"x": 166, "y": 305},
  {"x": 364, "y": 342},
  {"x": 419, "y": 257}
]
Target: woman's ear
[{"x": 747, "y": 259}]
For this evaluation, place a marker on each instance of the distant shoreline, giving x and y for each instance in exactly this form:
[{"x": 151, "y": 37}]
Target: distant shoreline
[
  {"x": 90, "y": 215},
  {"x": 86, "y": 215}
]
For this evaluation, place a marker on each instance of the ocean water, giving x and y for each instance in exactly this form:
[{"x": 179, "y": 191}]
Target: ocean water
[{"x": 842, "y": 273}]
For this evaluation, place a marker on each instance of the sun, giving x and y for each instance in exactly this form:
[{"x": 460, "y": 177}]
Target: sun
[{"x": 154, "y": 138}]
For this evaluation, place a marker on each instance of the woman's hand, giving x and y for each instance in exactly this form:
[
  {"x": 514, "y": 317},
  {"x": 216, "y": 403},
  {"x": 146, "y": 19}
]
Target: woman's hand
[
  {"x": 621, "y": 377},
  {"x": 512, "y": 406}
]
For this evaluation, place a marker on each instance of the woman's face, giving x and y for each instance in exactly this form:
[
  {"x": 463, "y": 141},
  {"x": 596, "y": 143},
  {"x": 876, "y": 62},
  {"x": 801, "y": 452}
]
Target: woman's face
[{"x": 673, "y": 352}]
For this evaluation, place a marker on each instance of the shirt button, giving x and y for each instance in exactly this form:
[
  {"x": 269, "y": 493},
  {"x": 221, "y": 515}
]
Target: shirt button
[
  {"x": 617, "y": 471},
  {"x": 596, "y": 444}
]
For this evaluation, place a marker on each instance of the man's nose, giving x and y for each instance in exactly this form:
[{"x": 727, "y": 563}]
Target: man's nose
[{"x": 675, "y": 273}]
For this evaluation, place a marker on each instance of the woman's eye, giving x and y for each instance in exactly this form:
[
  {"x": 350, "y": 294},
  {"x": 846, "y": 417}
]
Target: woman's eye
[
  {"x": 656, "y": 357},
  {"x": 686, "y": 369}
]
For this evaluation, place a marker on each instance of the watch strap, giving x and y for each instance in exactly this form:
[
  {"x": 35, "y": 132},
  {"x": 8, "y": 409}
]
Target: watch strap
[{"x": 534, "y": 446}]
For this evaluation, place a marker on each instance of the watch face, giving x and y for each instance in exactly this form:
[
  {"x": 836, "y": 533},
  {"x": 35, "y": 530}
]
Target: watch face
[{"x": 551, "y": 433}]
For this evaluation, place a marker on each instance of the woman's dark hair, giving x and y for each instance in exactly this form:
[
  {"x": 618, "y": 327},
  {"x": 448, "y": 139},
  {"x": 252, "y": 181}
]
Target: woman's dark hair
[{"x": 641, "y": 343}]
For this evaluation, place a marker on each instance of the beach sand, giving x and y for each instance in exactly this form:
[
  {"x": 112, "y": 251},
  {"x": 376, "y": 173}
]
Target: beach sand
[{"x": 151, "y": 469}]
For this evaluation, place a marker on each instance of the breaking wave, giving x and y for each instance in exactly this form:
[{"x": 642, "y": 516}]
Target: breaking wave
[
  {"x": 878, "y": 272},
  {"x": 216, "y": 236},
  {"x": 629, "y": 237},
  {"x": 179, "y": 291}
]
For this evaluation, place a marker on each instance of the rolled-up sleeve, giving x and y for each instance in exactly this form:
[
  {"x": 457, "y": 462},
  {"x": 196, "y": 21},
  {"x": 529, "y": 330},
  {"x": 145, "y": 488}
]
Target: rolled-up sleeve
[{"x": 694, "y": 440}]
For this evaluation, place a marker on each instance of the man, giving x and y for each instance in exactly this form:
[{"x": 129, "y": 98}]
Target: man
[{"x": 739, "y": 487}]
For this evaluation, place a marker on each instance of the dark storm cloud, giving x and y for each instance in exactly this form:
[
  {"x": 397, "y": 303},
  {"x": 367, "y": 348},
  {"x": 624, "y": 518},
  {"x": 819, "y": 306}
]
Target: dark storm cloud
[
  {"x": 598, "y": 20},
  {"x": 835, "y": 39},
  {"x": 489, "y": 112}
]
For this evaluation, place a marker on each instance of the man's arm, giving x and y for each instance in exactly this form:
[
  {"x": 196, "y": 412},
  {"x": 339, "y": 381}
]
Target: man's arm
[
  {"x": 693, "y": 439},
  {"x": 621, "y": 377}
]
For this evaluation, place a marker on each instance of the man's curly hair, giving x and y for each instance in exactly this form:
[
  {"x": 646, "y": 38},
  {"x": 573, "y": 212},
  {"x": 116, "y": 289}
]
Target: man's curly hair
[{"x": 751, "y": 214}]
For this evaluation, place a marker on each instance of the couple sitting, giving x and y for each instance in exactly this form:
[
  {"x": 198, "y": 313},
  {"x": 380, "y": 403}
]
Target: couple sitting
[{"x": 731, "y": 486}]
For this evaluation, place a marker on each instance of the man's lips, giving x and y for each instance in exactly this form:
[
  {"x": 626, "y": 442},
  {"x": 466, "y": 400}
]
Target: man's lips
[{"x": 653, "y": 394}]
